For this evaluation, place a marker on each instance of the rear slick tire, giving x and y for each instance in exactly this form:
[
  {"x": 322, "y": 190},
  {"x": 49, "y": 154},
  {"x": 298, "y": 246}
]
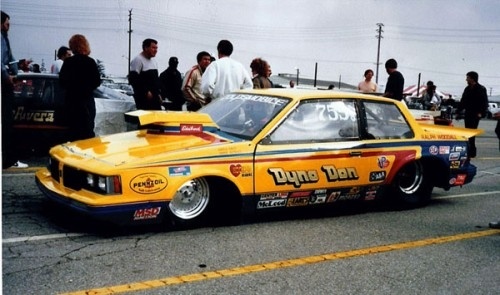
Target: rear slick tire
[{"x": 412, "y": 187}]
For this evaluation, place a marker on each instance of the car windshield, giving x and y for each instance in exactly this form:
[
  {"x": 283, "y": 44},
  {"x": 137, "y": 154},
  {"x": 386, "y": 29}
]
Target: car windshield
[{"x": 244, "y": 115}]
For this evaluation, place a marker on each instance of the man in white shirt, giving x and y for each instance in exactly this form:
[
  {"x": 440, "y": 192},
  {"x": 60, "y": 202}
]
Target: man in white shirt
[
  {"x": 62, "y": 54},
  {"x": 225, "y": 74}
]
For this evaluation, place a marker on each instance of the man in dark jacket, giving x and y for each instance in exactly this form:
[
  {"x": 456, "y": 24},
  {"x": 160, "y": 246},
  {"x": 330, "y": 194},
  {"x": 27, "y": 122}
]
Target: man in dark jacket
[
  {"x": 475, "y": 103},
  {"x": 395, "y": 82},
  {"x": 143, "y": 77},
  {"x": 171, "y": 85}
]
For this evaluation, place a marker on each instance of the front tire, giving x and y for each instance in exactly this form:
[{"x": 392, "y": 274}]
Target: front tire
[
  {"x": 190, "y": 205},
  {"x": 412, "y": 187}
]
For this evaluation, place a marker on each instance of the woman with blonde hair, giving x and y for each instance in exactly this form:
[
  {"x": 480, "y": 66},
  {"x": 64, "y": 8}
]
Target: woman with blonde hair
[{"x": 79, "y": 77}]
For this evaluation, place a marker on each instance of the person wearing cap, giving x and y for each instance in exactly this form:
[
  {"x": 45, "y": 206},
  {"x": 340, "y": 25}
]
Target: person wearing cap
[
  {"x": 395, "y": 82},
  {"x": 475, "y": 103},
  {"x": 143, "y": 77},
  {"x": 171, "y": 85},
  {"x": 225, "y": 74}
]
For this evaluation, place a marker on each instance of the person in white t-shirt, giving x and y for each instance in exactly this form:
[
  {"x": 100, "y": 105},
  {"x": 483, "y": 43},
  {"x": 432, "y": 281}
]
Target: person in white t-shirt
[
  {"x": 224, "y": 75},
  {"x": 62, "y": 54},
  {"x": 367, "y": 85}
]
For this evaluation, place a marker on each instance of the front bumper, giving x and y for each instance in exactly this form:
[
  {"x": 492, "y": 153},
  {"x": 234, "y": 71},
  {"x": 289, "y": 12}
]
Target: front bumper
[{"x": 122, "y": 214}]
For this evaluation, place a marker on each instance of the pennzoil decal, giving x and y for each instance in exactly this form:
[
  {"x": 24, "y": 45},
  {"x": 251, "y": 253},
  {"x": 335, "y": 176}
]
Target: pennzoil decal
[
  {"x": 299, "y": 177},
  {"x": 148, "y": 183}
]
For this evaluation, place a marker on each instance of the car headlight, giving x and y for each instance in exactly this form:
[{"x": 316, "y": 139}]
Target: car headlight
[{"x": 108, "y": 185}]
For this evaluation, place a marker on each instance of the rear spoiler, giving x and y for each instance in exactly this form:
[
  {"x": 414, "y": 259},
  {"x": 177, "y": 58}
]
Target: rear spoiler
[
  {"x": 450, "y": 130},
  {"x": 168, "y": 118}
]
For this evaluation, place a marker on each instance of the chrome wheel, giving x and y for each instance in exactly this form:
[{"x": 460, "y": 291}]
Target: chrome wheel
[
  {"x": 411, "y": 178},
  {"x": 191, "y": 200}
]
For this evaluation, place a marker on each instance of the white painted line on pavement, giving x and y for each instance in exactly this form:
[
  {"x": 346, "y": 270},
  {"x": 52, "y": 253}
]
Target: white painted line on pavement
[
  {"x": 39, "y": 238},
  {"x": 467, "y": 195}
]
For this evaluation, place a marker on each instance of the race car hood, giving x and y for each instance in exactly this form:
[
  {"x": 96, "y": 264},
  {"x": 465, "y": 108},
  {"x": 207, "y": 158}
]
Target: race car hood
[{"x": 165, "y": 140}]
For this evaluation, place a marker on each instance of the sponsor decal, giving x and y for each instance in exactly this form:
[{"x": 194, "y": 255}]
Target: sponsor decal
[
  {"x": 179, "y": 171},
  {"x": 271, "y": 204},
  {"x": 295, "y": 177},
  {"x": 38, "y": 116},
  {"x": 460, "y": 179},
  {"x": 352, "y": 194},
  {"x": 439, "y": 136},
  {"x": 333, "y": 197},
  {"x": 371, "y": 193},
  {"x": 318, "y": 199},
  {"x": 347, "y": 197},
  {"x": 273, "y": 196},
  {"x": 266, "y": 99},
  {"x": 341, "y": 174},
  {"x": 444, "y": 150},
  {"x": 320, "y": 191},
  {"x": 455, "y": 164},
  {"x": 459, "y": 148},
  {"x": 191, "y": 128},
  {"x": 300, "y": 194},
  {"x": 148, "y": 183},
  {"x": 377, "y": 176},
  {"x": 452, "y": 180},
  {"x": 147, "y": 213},
  {"x": 300, "y": 201},
  {"x": 237, "y": 169},
  {"x": 454, "y": 156},
  {"x": 299, "y": 177},
  {"x": 383, "y": 162},
  {"x": 433, "y": 150}
]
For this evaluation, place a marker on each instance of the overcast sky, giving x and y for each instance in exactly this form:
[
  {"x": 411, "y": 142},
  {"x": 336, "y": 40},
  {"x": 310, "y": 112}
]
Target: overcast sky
[{"x": 441, "y": 39}]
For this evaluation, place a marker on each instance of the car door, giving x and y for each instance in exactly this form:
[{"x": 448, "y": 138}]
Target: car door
[{"x": 316, "y": 155}]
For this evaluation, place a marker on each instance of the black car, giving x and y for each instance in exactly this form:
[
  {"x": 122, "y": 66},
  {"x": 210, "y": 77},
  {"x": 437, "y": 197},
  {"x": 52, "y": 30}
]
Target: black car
[{"x": 39, "y": 118}]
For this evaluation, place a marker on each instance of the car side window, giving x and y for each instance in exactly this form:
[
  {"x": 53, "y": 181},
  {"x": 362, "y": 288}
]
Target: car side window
[
  {"x": 385, "y": 121},
  {"x": 319, "y": 120}
]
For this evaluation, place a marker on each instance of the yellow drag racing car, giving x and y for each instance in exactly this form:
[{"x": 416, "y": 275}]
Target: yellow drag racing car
[{"x": 257, "y": 151}]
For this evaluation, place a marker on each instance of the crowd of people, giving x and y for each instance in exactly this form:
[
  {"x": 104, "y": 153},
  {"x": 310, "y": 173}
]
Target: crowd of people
[{"x": 207, "y": 80}]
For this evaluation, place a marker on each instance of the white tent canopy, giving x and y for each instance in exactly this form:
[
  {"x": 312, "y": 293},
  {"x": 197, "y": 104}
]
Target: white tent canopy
[{"x": 415, "y": 91}]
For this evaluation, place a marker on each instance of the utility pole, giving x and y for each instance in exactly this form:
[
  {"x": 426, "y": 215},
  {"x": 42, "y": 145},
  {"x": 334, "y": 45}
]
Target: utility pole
[
  {"x": 129, "y": 38},
  {"x": 379, "y": 37}
]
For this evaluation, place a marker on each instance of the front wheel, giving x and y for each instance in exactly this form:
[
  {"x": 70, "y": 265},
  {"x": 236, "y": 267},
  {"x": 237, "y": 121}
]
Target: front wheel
[
  {"x": 190, "y": 204},
  {"x": 411, "y": 186}
]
